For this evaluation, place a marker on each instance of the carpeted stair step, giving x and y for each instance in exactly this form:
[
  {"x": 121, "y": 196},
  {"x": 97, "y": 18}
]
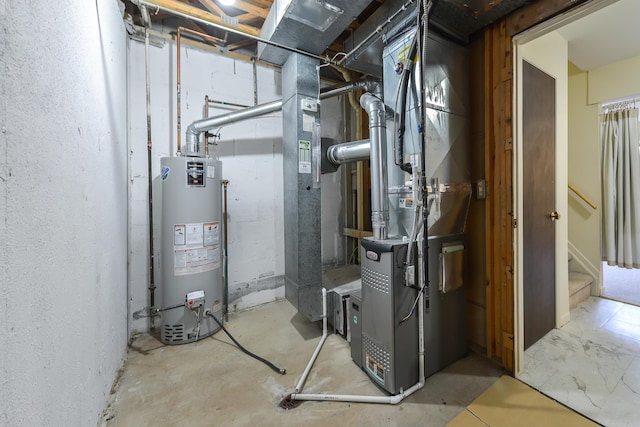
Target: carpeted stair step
[{"x": 579, "y": 287}]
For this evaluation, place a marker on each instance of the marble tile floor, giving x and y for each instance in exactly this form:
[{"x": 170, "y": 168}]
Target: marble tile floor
[{"x": 592, "y": 364}]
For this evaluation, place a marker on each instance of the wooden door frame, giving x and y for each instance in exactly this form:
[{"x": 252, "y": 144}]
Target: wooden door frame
[
  {"x": 562, "y": 291},
  {"x": 501, "y": 293}
]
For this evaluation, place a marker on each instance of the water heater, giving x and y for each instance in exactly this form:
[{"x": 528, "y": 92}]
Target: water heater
[{"x": 191, "y": 248}]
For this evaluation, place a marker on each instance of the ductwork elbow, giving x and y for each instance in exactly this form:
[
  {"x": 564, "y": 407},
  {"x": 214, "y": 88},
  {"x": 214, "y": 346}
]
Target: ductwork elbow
[
  {"x": 374, "y": 86},
  {"x": 192, "y": 141},
  {"x": 373, "y": 104}
]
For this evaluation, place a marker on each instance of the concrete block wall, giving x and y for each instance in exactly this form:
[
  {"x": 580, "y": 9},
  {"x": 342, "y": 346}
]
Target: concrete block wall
[
  {"x": 251, "y": 152},
  {"x": 63, "y": 210}
]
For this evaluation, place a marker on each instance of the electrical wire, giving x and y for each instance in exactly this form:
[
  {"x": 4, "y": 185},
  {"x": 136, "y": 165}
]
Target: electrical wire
[
  {"x": 413, "y": 307},
  {"x": 151, "y": 312},
  {"x": 171, "y": 307},
  {"x": 244, "y": 350},
  {"x": 197, "y": 314}
]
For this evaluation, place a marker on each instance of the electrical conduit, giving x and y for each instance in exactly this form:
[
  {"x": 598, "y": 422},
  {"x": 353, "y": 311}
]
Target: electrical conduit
[{"x": 147, "y": 67}]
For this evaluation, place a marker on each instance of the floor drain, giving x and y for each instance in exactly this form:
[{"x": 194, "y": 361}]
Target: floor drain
[{"x": 288, "y": 403}]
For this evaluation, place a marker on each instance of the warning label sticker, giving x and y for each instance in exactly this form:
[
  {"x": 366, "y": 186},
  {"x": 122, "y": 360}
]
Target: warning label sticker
[
  {"x": 196, "y": 247},
  {"x": 211, "y": 234},
  {"x": 304, "y": 156},
  {"x": 375, "y": 368}
]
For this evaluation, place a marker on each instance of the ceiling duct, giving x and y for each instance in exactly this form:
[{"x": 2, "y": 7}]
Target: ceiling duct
[
  {"x": 308, "y": 25},
  {"x": 457, "y": 19}
]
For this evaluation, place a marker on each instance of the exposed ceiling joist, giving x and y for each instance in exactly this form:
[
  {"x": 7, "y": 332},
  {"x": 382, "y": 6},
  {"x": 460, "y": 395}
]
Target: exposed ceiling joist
[
  {"x": 196, "y": 12},
  {"x": 262, "y": 12}
]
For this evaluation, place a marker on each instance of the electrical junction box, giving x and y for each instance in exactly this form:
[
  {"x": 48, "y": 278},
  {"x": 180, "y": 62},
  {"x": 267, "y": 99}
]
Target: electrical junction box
[
  {"x": 194, "y": 299},
  {"x": 406, "y": 203},
  {"x": 309, "y": 104}
]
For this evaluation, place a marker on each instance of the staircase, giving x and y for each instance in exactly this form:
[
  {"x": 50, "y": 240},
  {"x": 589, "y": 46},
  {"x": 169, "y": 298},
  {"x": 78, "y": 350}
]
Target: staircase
[{"x": 579, "y": 286}]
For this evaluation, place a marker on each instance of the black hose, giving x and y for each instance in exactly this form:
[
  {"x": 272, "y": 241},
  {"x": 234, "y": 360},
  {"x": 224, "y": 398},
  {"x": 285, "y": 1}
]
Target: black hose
[
  {"x": 244, "y": 350},
  {"x": 407, "y": 72}
]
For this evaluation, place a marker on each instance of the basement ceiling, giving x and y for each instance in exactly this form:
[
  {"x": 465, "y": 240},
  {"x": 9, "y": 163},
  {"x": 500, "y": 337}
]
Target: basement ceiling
[{"x": 456, "y": 18}]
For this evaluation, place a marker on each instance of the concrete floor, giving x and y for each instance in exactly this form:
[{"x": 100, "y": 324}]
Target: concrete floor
[{"x": 211, "y": 382}]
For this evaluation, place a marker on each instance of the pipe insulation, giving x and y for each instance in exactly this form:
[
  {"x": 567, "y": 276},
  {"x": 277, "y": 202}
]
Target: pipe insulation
[
  {"x": 378, "y": 136},
  {"x": 349, "y": 152}
]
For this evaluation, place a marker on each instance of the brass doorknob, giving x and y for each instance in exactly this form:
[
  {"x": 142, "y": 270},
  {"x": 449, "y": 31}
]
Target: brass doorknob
[{"x": 554, "y": 215}]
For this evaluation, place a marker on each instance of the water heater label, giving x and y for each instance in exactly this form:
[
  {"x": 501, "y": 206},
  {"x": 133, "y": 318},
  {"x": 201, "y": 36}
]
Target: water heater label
[
  {"x": 196, "y": 247},
  {"x": 195, "y": 174},
  {"x": 211, "y": 234},
  {"x": 179, "y": 235},
  {"x": 165, "y": 173},
  {"x": 195, "y": 233}
]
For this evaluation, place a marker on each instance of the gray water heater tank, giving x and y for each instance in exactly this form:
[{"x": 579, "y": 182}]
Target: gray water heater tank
[{"x": 191, "y": 248}]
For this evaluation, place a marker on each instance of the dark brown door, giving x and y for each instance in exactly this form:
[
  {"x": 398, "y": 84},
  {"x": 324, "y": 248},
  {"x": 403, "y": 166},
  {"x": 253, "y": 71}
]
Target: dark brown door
[{"x": 539, "y": 145}]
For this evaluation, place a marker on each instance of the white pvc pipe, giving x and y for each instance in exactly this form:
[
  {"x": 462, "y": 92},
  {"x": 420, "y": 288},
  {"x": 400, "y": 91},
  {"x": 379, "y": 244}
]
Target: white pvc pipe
[
  {"x": 305, "y": 374},
  {"x": 391, "y": 400}
]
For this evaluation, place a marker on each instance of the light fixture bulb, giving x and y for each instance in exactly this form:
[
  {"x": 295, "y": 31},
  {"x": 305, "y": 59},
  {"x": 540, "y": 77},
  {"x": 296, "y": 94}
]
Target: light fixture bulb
[{"x": 227, "y": 2}]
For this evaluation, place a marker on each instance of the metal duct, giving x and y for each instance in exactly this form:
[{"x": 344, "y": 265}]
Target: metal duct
[
  {"x": 457, "y": 19},
  {"x": 378, "y": 135},
  {"x": 368, "y": 84},
  {"x": 446, "y": 128},
  {"x": 309, "y": 25},
  {"x": 196, "y": 128},
  {"x": 349, "y": 152},
  {"x": 199, "y": 126}
]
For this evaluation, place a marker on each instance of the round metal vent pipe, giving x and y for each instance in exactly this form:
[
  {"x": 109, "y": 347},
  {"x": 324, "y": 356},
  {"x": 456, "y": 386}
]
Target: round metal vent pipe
[
  {"x": 378, "y": 136},
  {"x": 199, "y": 126},
  {"x": 349, "y": 152}
]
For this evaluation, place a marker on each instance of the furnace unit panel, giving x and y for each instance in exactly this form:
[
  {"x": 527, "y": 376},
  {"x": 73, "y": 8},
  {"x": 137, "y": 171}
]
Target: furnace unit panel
[{"x": 389, "y": 346}]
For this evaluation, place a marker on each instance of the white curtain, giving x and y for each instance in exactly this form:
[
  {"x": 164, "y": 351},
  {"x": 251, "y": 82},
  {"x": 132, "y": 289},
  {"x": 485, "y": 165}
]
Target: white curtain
[{"x": 621, "y": 187}]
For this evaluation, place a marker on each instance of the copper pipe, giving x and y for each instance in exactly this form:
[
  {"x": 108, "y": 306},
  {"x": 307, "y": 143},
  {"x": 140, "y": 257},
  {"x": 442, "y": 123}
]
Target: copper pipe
[
  {"x": 178, "y": 90},
  {"x": 198, "y": 15},
  {"x": 206, "y": 114}
]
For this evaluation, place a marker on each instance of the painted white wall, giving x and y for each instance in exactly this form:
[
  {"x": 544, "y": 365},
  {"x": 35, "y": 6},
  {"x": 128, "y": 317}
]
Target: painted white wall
[
  {"x": 550, "y": 54},
  {"x": 584, "y": 159},
  {"x": 614, "y": 81},
  {"x": 587, "y": 90},
  {"x": 251, "y": 153},
  {"x": 63, "y": 234}
]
